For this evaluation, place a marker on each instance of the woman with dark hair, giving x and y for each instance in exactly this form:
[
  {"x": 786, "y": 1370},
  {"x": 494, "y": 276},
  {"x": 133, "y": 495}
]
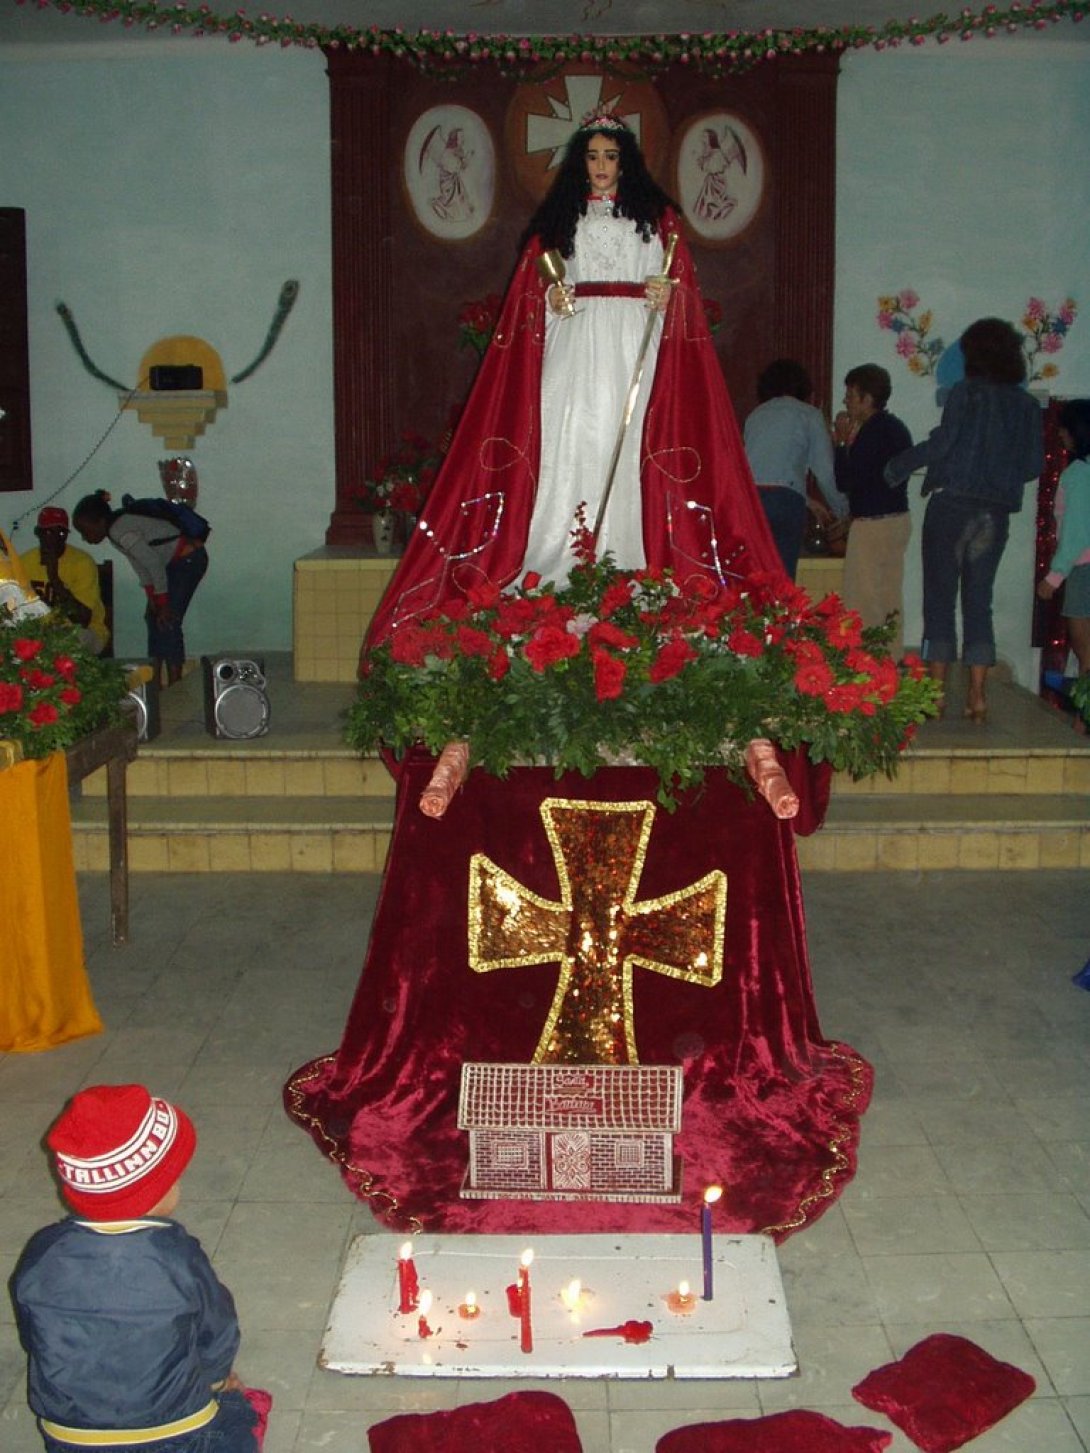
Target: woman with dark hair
[
  {"x": 978, "y": 459},
  {"x": 169, "y": 565},
  {"x": 1070, "y": 565},
  {"x": 542, "y": 432}
]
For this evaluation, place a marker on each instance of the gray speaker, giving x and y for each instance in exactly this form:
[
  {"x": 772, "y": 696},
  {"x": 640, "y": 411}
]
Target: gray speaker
[
  {"x": 236, "y": 705},
  {"x": 143, "y": 701}
]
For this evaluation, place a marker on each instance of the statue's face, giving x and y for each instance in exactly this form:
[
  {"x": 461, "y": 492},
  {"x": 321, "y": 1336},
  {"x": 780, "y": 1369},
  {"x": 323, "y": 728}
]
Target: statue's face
[{"x": 603, "y": 164}]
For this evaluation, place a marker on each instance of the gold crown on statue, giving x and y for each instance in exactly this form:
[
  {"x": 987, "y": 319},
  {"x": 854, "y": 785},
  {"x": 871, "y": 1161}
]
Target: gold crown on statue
[{"x": 604, "y": 120}]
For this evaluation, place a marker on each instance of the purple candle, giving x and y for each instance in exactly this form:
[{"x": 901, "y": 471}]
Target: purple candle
[{"x": 711, "y": 1195}]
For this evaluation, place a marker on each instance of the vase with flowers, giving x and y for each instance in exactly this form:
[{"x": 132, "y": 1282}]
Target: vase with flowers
[
  {"x": 394, "y": 494},
  {"x": 53, "y": 691}
]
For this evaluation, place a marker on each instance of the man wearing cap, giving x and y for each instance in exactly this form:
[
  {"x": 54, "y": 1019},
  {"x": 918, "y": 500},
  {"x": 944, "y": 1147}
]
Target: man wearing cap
[
  {"x": 130, "y": 1336},
  {"x": 66, "y": 578}
]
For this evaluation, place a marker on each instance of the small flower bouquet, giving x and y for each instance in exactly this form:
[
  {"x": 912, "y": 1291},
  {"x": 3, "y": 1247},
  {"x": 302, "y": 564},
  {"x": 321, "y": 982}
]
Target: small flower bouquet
[
  {"x": 477, "y": 322},
  {"x": 920, "y": 352},
  {"x": 402, "y": 480},
  {"x": 641, "y": 666},
  {"x": 1045, "y": 333},
  {"x": 53, "y": 691}
]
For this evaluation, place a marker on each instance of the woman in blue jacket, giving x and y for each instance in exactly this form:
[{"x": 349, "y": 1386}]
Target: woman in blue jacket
[{"x": 978, "y": 459}]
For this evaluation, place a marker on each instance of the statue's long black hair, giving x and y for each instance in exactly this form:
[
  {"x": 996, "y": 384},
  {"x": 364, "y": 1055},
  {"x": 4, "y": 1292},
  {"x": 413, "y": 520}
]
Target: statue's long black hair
[{"x": 638, "y": 195}]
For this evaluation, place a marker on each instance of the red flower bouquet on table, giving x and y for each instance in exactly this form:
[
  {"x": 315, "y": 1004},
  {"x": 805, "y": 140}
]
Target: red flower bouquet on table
[
  {"x": 641, "y": 666},
  {"x": 52, "y": 690},
  {"x": 402, "y": 480},
  {"x": 477, "y": 321}
]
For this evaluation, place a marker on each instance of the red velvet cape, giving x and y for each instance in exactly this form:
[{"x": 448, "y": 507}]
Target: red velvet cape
[
  {"x": 700, "y": 506},
  {"x": 771, "y": 1108}
]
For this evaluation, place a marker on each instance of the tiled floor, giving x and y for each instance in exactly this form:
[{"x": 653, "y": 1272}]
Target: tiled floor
[{"x": 970, "y": 1211}]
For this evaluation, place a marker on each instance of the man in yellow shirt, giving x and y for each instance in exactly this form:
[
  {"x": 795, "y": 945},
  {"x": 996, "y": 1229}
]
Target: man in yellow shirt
[{"x": 66, "y": 578}]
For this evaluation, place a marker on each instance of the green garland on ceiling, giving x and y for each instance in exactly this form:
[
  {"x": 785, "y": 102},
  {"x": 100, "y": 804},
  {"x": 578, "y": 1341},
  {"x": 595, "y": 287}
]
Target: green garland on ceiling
[{"x": 732, "y": 50}]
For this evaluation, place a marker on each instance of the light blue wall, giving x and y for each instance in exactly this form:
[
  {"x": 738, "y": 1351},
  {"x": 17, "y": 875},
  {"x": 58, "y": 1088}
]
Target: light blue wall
[
  {"x": 172, "y": 187},
  {"x": 964, "y": 173}
]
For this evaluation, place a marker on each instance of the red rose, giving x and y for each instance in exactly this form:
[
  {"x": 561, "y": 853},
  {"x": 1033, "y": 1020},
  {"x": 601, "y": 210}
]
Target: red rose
[
  {"x": 616, "y": 595},
  {"x": 531, "y": 580},
  {"x": 744, "y": 643},
  {"x": 605, "y": 633},
  {"x": 39, "y": 680},
  {"x": 499, "y": 663},
  {"x": 44, "y": 714},
  {"x": 845, "y": 697},
  {"x": 64, "y": 666},
  {"x": 25, "y": 650},
  {"x": 914, "y": 665},
  {"x": 671, "y": 659},
  {"x": 804, "y": 651},
  {"x": 483, "y": 595},
  {"x": 516, "y": 616},
  {"x": 11, "y": 696},
  {"x": 609, "y": 675},
  {"x": 472, "y": 642},
  {"x": 550, "y": 644},
  {"x": 813, "y": 678},
  {"x": 71, "y": 695}
]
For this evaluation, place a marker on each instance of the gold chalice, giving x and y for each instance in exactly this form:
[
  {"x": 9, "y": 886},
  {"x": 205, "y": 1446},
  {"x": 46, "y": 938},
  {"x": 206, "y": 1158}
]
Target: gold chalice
[{"x": 550, "y": 266}]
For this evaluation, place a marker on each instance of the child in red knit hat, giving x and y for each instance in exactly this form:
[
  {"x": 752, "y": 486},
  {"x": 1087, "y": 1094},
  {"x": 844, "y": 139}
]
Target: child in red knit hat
[{"x": 130, "y": 1336}]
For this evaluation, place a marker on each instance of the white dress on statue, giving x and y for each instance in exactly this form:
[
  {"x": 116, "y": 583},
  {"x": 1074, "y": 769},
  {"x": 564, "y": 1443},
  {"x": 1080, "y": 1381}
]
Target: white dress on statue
[{"x": 586, "y": 375}]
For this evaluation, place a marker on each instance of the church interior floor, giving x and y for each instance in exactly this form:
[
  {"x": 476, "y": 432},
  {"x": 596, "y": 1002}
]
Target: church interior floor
[{"x": 970, "y": 1212}]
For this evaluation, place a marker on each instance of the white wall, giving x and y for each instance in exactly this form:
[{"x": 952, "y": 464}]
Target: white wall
[
  {"x": 173, "y": 187},
  {"x": 963, "y": 174}
]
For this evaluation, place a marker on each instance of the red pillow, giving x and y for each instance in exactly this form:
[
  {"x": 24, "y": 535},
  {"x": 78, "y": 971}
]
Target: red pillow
[
  {"x": 521, "y": 1422},
  {"x": 791, "y": 1432},
  {"x": 944, "y": 1391}
]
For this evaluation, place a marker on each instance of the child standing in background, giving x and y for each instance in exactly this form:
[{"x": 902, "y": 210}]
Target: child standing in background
[{"x": 1071, "y": 563}]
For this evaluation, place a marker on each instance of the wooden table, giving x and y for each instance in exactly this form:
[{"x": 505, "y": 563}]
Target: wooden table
[{"x": 113, "y": 748}]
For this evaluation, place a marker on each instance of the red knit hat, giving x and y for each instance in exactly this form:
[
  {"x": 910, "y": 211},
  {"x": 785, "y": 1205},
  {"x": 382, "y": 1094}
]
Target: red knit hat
[
  {"x": 119, "y": 1150},
  {"x": 52, "y": 517}
]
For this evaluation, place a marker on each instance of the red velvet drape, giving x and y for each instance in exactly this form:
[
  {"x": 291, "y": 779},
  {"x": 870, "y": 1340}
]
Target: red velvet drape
[{"x": 771, "y": 1108}]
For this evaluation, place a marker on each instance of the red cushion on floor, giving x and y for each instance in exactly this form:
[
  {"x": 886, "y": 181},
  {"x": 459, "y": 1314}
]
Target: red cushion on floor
[
  {"x": 522, "y": 1422},
  {"x": 944, "y": 1391},
  {"x": 796, "y": 1431}
]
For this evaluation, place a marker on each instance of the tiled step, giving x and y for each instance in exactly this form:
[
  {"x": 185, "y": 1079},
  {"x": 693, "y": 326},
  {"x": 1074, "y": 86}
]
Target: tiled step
[
  {"x": 948, "y": 831},
  {"x": 976, "y": 772},
  {"x": 240, "y": 835},
  {"x": 352, "y": 834},
  {"x": 274, "y": 772}
]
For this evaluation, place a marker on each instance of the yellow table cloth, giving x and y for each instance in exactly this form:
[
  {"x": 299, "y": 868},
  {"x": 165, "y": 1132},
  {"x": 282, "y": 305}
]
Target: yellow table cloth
[{"x": 45, "y": 996}]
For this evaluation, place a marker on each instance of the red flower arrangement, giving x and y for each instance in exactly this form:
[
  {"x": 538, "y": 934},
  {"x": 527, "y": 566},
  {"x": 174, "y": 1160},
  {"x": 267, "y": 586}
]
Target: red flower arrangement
[
  {"x": 52, "y": 690},
  {"x": 641, "y": 666},
  {"x": 477, "y": 322},
  {"x": 402, "y": 480}
]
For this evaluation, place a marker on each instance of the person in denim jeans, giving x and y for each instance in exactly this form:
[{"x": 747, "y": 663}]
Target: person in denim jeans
[{"x": 986, "y": 447}]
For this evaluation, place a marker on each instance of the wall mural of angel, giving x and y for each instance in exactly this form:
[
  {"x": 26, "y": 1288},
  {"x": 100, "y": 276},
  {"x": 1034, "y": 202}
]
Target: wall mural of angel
[
  {"x": 449, "y": 171},
  {"x": 720, "y": 176}
]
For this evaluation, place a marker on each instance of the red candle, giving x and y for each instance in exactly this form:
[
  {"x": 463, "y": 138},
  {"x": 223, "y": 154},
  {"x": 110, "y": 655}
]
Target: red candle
[
  {"x": 422, "y": 1328},
  {"x": 526, "y": 1331},
  {"x": 408, "y": 1285}
]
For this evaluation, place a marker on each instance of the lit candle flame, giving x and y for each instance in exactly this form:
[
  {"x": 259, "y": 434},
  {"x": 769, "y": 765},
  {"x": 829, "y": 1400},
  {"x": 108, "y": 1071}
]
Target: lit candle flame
[
  {"x": 425, "y": 1304},
  {"x": 712, "y": 1194},
  {"x": 682, "y": 1290},
  {"x": 527, "y": 1257},
  {"x": 471, "y": 1301},
  {"x": 406, "y": 1252},
  {"x": 571, "y": 1294}
]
